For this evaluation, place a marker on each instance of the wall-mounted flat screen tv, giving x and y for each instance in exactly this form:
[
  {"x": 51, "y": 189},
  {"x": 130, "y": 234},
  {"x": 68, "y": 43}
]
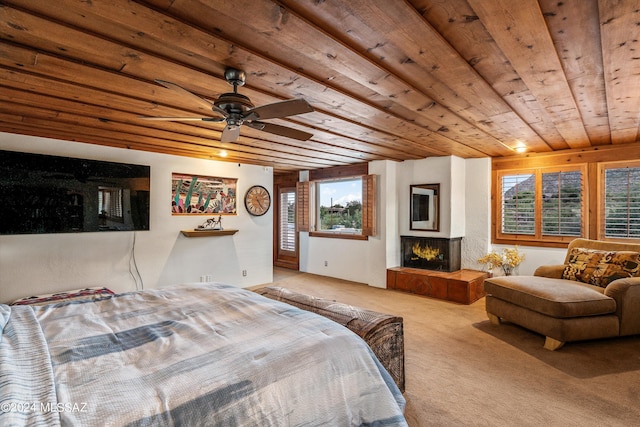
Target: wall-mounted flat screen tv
[{"x": 51, "y": 194}]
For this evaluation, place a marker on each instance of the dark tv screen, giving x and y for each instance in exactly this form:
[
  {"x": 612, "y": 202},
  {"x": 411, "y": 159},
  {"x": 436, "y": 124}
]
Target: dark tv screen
[{"x": 50, "y": 194}]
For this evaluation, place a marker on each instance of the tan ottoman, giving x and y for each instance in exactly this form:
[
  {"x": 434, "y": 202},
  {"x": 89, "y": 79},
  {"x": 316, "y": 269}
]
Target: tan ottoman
[{"x": 562, "y": 310}]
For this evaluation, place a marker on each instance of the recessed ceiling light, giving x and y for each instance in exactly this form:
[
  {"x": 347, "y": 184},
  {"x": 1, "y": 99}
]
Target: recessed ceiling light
[
  {"x": 520, "y": 149},
  {"x": 223, "y": 153}
]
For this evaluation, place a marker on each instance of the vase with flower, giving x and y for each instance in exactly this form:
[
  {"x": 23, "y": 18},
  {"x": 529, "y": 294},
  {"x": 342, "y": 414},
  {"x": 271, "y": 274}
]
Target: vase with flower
[{"x": 508, "y": 260}]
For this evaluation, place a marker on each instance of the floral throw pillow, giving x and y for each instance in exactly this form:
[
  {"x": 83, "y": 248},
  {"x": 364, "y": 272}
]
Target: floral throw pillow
[{"x": 600, "y": 268}]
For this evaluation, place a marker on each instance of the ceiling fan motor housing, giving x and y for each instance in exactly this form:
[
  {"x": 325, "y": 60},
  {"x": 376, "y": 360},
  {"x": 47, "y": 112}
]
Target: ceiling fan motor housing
[
  {"x": 233, "y": 103},
  {"x": 235, "y": 77}
]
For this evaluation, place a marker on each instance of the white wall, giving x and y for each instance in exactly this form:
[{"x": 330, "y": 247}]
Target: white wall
[
  {"x": 477, "y": 241},
  {"x": 458, "y": 197},
  {"x": 464, "y": 201},
  {"x": 534, "y": 257},
  {"x": 389, "y": 218},
  {"x": 477, "y": 193},
  {"x": 363, "y": 261},
  {"x": 31, "y": 264},
  {"x": 450, "y": 173},
  {"x": 465, "y": 205}
]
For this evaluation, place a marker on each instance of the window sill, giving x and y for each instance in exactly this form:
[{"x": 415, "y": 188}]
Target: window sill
[{"x": 338, "y": 235}]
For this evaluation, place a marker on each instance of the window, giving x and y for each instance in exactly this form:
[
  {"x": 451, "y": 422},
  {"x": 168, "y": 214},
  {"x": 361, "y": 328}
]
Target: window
[
  {"x": 287, "y": 220},
  {"x": 339, "y": 206},
  {"x": 110, "y": 203},
  {"x": 541, "y": 204},
  {"x": 338, "y": 202},
  {"x": 518, "y": 204},
  {"x": 621, "y": 207},
  {"x": 549, "y": 199},
  {"x": 562, "y": 204}
]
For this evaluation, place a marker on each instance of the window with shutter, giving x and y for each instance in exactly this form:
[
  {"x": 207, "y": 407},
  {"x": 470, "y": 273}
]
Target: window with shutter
[
  {"x": 339, "y": 206},
  {"x": 594, "y": 194},
  {"x": 562, "y": 203},
  {"x": 542, "y": 204},
  {"x": 621, "y": 207},
  {"x": 326, "y": 210},
  {"x": 518, "y": 204},
  {"x": 303, "y": 208},
  {"x": 287, "y": 221},
  {"x": 369, "y": 191}
]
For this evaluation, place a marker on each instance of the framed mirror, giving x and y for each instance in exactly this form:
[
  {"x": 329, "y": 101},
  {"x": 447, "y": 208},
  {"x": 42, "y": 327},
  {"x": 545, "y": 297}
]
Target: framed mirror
[{"x": 425, "y": 207}]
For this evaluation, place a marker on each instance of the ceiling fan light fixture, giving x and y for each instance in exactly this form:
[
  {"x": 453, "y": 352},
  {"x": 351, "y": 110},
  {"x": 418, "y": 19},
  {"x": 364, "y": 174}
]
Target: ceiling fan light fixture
[{"x": 237, "y": 110}]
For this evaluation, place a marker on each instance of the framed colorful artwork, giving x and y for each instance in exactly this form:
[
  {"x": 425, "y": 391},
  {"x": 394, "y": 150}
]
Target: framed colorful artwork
[{"x": 202, "y": 195}]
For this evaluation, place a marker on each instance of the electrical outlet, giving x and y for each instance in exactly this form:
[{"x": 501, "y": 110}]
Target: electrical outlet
[
  {"x": 326, "y": 263},
  {"x": 244, "y": 273}
]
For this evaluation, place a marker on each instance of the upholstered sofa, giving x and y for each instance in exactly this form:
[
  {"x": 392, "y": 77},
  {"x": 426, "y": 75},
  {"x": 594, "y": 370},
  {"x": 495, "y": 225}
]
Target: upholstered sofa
[{"x": 594, "y": 294}]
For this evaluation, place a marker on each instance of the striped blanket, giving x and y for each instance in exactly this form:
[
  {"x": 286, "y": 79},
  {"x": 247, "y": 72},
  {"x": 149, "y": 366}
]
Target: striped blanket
[{"x": 190, "y": 355}]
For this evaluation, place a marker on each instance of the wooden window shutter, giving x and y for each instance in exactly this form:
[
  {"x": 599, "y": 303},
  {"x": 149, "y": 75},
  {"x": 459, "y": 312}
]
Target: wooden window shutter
[
  {"x": 369, "y": 205},
  {"x": 302, "y": 206}
]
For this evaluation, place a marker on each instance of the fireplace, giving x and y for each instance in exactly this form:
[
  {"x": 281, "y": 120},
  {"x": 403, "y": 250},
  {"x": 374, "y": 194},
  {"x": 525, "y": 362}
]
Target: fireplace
[{"x": 431, "y": 253}]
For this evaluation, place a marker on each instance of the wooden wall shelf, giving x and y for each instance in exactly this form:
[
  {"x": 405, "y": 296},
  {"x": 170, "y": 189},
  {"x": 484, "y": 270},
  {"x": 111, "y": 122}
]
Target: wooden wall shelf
[{"x": 208, "y": 233}]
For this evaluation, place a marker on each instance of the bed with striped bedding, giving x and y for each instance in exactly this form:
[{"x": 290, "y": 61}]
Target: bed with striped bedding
[{"x": 188, "y": 355}]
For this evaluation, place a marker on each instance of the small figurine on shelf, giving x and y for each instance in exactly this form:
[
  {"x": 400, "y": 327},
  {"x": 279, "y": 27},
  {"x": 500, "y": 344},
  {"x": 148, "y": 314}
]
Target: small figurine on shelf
[{"x": 212, "y": 224}]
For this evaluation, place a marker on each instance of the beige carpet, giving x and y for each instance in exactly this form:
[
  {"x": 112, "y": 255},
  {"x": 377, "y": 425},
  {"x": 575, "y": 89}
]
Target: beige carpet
[{"x": 463, "y": 371}]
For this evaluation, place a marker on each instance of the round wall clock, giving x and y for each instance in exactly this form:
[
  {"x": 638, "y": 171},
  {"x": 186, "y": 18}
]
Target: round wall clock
[{"x": 257, "y": 200}]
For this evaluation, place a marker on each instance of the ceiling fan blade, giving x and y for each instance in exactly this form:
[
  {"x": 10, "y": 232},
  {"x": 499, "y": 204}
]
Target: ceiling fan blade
[
  {"x": 203, "y": 102},
  {"x": 230, "y": 133},
  {"x": 184, "y": 119},
  {"x": 277, "y": 110},
  {"x": 280, "y": 130}
]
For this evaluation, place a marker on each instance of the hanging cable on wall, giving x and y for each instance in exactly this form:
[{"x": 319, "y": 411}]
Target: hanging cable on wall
[{"x": 133, "y": 265}]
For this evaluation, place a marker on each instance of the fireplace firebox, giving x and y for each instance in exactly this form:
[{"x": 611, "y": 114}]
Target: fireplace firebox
[{"x": 431, "y": 253}]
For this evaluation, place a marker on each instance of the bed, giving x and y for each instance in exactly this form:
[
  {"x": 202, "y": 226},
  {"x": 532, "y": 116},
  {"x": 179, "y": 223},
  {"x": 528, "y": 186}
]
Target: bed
[{"x": 188, "y": 355}]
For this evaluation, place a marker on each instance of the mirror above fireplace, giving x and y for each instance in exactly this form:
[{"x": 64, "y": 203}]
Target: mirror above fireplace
[{"x": 425, "y": 207}]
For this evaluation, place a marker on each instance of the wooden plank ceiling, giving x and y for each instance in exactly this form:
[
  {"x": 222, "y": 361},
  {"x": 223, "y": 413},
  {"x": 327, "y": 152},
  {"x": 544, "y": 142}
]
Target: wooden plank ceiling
[{"x": 388, "y": 79}]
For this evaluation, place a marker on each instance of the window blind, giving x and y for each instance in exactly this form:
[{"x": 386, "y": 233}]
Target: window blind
[
  {"x": 562, "y": 203},
  {"x": 288, "y": 221},
  {"x": 518, "y": 204},
  {"x": 622, "y": 202}
]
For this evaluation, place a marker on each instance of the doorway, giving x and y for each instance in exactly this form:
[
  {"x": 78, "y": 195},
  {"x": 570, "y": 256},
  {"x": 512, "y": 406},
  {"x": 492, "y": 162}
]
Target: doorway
[{"x": 285, "y": 251}]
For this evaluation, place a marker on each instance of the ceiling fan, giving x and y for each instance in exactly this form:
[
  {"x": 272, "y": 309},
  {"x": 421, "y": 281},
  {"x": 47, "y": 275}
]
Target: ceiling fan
[{"x": 237, "y": 110}]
